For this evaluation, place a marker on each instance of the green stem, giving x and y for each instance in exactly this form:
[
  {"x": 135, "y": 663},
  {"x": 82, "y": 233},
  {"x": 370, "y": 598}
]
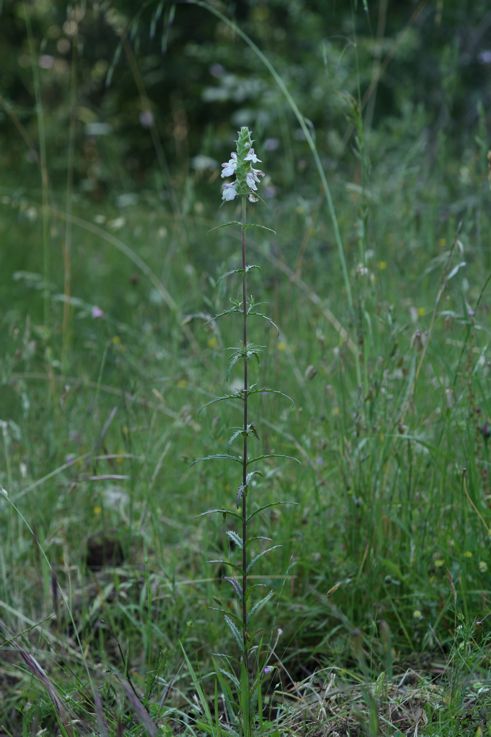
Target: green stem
[{"x": 245, "y": 393}]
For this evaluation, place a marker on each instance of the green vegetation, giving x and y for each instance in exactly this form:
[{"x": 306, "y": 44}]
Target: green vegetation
[{"x": 372, "y": 122}]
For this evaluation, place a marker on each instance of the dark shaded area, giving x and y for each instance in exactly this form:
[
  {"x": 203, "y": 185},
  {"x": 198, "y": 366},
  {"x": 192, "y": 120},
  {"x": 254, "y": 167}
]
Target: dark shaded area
[
  {"x": 103, "y": 550},
  {"x": 133, "y": 92}
]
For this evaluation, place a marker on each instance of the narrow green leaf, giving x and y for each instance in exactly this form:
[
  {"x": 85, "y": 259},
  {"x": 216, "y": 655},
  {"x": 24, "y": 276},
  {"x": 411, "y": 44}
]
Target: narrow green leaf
[
  {"x": 260, "y": 227},
  {"x": 235, "y": 538},
  {"x": 236, "y": 586},
  {"x": 260, "y": 604},
  {"x": 225, "y": 225},
  {"x": 246, "y": 226},
  {"x": 273, "y": 455},
  {"x": 202, "y": 698},
  {"x": 261, "y": 555},
  {"x": 266, "y": 318},
  {"x": 265, "y": 390},
  {"x": 217, "y": 457},
  {"x": 231, "y": 311},
  {"x": 239, "y": 270},
  {"x": 219, "y": 511},
  {"x": 234, "y": 436},
  {"x": 223, "y": 562},
  {"x": 229, "y": 676},
  {"x": 226, "y": 613},
  {"x": 229, "y": 686},
  {"x": 267, "y": 506},
  {"x": 234, "y": 630},
  {"x": 236, "y": 395}
]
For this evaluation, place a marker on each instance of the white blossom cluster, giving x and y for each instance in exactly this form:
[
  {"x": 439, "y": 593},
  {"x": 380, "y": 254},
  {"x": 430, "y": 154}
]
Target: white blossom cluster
[{"x": 240, "y": 164}]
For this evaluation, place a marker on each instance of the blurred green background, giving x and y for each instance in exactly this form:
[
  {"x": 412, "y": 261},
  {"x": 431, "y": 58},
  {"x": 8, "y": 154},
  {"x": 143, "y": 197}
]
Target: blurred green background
[{"x": 159, "y": 85}]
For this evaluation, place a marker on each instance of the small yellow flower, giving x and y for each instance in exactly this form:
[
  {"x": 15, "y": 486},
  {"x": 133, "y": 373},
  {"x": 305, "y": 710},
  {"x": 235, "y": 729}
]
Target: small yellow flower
[
  {"x": 438, "y": 563},
  {"x": 417, "y": 614},
  {"x": 483, "y": 566},
  {"x": 118, "y": 344},
  {"x": 382, "y": 265},
  {"x": 182, "y": 383},
  {"x": 442, "y": 242},
  {"x": 212, "y": 341},
  {"x": 421, "y": 311},
  {"x": 468, "y": 554},
  {"x": 281, "y": 345},
  {"x": 97, "y": 510}
]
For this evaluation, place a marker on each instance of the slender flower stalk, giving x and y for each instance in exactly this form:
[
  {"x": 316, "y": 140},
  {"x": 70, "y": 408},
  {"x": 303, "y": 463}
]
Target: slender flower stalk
[
  {"x": 244, "y": 186},
  {"x": 245, "y": 397}
]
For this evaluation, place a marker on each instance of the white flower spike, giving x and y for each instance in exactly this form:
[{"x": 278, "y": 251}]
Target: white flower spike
[{"x": 246, "y": 176}]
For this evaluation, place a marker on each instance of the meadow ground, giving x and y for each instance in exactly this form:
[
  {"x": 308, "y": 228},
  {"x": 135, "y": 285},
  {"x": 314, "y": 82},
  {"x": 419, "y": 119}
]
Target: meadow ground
[{"x": 379, "y": 623}]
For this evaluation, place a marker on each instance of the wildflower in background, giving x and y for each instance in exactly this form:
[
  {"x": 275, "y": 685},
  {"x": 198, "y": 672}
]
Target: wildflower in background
[
  {"x": 96, "y": 312},
  {"x": 146, "y": 119},
  {"x": 271, "y": 144},
  {"x": 46, "y": 61},
  {"x": 240, "y": 164}
]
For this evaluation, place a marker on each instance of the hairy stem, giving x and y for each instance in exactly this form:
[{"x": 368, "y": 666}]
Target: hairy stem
[{"x": 245, "y": 396}]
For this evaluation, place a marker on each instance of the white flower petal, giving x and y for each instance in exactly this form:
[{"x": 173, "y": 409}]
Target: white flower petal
[
  {"x": 228, "y": 169},
  {"x": 251, "y": 156},
  {"x": 229, "y": 191},
  {"x": 251, "y": 180},
  {"x": 252, "y": 198}
]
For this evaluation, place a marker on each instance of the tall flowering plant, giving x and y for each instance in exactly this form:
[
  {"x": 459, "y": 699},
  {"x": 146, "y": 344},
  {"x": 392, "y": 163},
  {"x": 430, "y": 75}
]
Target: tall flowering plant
[{"x": 254, "y": 660}]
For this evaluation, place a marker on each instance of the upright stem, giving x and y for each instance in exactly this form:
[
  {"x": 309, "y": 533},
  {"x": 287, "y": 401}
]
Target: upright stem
[{"x": 245, "y": 395}]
